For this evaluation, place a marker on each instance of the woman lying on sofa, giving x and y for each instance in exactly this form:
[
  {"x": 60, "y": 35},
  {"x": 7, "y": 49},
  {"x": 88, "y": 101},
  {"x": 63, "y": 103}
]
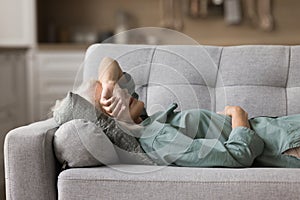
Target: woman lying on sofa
[{"x": 198, "y": 138}]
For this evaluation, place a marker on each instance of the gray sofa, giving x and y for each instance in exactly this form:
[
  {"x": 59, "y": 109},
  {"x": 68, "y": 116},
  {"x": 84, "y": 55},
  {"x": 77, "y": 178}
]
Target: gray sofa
[{"x": 265, "y": 80}]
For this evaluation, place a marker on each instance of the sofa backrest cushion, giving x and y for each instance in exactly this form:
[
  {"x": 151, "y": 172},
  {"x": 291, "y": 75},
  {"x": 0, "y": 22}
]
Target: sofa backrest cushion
[{"x": 263, "y": 79}]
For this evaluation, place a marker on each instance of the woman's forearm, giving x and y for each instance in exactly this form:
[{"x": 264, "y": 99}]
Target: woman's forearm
[
  {"x": 109, "y": 71},
  {"x": 239, "y": 117}
]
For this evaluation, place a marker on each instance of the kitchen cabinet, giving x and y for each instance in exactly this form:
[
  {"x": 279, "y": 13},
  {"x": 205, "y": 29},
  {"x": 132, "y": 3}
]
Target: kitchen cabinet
[
  {"x": 13, "y": 98},
  {"x": 17, "y": 23},
  {"x": 55, "y": 72}
]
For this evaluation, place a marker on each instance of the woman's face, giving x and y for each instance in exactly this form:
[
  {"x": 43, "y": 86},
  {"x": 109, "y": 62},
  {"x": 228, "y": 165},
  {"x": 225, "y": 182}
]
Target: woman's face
[{"x": 135, "y": 107}]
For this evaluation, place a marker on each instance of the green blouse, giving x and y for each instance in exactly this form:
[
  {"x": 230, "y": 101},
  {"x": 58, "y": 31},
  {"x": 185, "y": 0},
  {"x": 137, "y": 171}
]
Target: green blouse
[{"x": 201, "y": 138}]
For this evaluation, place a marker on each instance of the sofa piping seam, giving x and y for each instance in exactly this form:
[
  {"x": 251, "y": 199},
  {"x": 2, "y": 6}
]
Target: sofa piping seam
[
  {"x": 249, "y": 85},
  {"x": 8, "y": 174},
  {"x": 216, "y": 79},
  {"x": 252, "y": 85},
  {"x": 148, "y": 78},
  {"x": 44, "y": 158},
  {"x": 197, "y": 182},
  {"x": 287, "y": 77},
  {"x": 289, "y": 66}
]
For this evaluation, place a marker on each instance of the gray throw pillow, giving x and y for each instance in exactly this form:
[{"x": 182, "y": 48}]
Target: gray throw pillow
[
  {"x": 128, "y": 148},
  {"x": 73, "y": 106},
  {"x": 126, "y": 145},
  {"x": 81, "y": 143}
]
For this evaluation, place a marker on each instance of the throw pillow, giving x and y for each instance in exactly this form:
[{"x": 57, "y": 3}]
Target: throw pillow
[
  {"x": 126, "y": 145},
  {"x": 73, "y": 106},
  {"x": 76, "y": 107},
  {"x": 80, "y": 143}
]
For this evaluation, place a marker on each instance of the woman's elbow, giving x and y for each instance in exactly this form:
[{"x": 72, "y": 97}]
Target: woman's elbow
[
  {"x": 244, "y": 157},
  {"x": 242, "y": 153}
]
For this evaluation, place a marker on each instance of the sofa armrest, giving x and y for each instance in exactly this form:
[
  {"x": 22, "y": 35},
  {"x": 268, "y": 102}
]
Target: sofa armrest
[{"x": 30, "y": 165}]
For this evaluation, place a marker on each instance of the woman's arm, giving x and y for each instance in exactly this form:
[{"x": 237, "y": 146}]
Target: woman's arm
[
  {"x": 239, "y": 117},
  {"x": 109, "y": 72},
  {"x": 173, "y": 146},
  {"x": 114, "y": 100}
]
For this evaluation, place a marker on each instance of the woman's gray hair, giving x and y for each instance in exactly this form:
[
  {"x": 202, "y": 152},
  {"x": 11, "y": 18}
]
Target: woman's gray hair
[{"x": 85, "y": 90}]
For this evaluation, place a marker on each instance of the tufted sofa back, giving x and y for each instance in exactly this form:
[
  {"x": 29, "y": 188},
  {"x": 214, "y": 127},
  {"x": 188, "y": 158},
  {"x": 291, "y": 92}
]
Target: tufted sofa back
[{"x": 265, "y": 80}]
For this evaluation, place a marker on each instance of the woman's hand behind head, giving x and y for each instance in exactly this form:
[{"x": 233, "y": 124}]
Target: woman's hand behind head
[{"x": 121, "y": 105}]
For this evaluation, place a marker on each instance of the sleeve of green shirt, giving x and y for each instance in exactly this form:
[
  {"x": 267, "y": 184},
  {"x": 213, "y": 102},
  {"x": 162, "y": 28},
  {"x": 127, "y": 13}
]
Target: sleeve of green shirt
[{"x": 240, "y": 150}]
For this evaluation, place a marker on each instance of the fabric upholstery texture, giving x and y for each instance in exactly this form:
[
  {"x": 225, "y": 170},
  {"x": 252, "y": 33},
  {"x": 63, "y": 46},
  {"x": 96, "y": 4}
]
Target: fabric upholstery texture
[
  {"x": 154, "y": 182},
  {"x": 30, "y": 166},
  {"x": 262, "y": 79},
  {"x": 127, "y": 147},
  {"x": 74, "y": 106},
  {"x": 81, "y": 143}
]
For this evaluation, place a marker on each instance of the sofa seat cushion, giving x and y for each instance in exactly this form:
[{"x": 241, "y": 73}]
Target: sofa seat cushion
[{"x": 161, "y": 182}]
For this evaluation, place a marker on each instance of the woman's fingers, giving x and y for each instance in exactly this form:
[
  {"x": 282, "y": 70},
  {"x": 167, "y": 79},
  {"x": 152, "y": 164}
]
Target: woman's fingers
[
  {"x": 107, "y": 102},
  {"x": 117, "y": 108},
  {"x": 231, "y": 110},
  {"x": 124, "y": 115},
  {"x": 115, "y": 112},
  {"x": 111, "y": 105},
  {"x": 121, "y": 111},
  {"x": 118, "y": 105},
  {"x": 221, "y": 112}
]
